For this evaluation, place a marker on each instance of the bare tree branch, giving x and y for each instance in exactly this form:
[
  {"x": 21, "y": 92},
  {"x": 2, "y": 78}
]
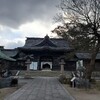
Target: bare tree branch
[{"x": 83, "y": 23}]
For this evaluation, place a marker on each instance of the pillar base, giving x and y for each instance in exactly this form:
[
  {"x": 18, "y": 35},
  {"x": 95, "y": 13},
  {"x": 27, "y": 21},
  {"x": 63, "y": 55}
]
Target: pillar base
[{"x": 27, "y": 75}]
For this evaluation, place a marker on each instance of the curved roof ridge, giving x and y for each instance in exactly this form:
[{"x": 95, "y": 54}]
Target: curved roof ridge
[
  {"x": 51, "y": 38},
  {"x": 46, "y": 42}
]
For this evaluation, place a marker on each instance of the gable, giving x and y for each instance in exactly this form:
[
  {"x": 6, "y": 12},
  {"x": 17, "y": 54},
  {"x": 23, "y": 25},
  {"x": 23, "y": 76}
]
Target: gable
[
  {"x": 86, "y": 56},
  {"x": 53, "y": 42},
  {"x": 46, "y": 42}
]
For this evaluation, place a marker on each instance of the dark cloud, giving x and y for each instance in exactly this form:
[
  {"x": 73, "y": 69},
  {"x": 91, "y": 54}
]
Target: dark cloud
[{"x": 16, "y": 12}]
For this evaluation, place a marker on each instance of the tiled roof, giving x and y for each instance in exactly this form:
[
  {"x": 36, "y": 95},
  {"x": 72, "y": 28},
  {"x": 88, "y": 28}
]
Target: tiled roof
[
  {"x": 46, "y": 42},
  {"x": 86, "y": 55},
  {"x": 3, "y": 56},
  {"x": 10, "y": 52},
  {"x": 56, "y": 42}
]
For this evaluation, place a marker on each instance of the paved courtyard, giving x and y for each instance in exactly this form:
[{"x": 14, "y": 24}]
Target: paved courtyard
[{"x": 42, "y": 88}]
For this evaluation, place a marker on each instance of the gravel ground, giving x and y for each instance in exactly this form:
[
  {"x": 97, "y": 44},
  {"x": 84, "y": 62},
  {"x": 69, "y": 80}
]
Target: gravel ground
[
  {"x": 83, "y": 94},
  {"x": 6, "y": 91}
]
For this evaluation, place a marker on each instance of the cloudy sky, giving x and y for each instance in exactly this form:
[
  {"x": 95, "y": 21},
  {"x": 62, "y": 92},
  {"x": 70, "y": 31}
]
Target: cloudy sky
[{"x": 25, "y": 18}]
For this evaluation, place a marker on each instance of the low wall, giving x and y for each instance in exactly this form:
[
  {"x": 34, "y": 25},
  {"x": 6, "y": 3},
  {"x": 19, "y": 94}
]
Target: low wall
[{"x": 5, "y": 82}]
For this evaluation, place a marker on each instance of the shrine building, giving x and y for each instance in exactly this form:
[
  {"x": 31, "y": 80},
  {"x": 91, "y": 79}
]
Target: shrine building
[{"x": 45, "y": 53}]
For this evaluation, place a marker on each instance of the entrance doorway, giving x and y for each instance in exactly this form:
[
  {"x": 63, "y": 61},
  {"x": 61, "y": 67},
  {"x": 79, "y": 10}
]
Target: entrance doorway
[{"x": 46, "y": 65}]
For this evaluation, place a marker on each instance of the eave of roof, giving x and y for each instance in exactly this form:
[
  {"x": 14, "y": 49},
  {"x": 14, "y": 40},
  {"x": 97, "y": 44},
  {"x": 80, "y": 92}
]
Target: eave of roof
[
  {"x": 86, "y": 56},
  {"x": 5, "y": 57},
  {"x": 10, "y": 52},
  {"x": 53, "y": 42},
  {"x": 46, "y": 48}
]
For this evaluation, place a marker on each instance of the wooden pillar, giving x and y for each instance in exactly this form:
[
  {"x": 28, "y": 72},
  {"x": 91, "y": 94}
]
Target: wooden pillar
[{"x": 38, "y": 65}]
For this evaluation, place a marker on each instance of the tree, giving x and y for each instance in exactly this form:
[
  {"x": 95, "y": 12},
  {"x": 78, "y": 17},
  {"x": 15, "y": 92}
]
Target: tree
[
  {"x": 77, "y": 34},
  {"x": 83, "y": 18}
]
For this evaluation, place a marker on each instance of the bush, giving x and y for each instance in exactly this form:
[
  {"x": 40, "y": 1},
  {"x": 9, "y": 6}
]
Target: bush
[
  {"x": 63, "y": 79},
  {"x": 14, "y": 82},
  {"x": 93, "y": 81},
  {"x": 98, "y": 85},
  {"x": 68, "y": 80}
]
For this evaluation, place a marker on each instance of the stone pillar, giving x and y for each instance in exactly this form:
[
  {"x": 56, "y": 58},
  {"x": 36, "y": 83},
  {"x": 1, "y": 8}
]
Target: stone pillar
[
  {"x": 62, "y": 63},
  {"x": 62, "y": 69}
]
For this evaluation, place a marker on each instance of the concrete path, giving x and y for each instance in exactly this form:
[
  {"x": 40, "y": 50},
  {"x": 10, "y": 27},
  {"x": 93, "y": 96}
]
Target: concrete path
[{"x": 43, "y": 88}]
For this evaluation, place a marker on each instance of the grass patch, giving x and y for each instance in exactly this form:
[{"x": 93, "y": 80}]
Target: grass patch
[
  {"x": 41, "y": 73},
  {"x": 83, "y": 94},
  {"x": 6, "y": 91},
  {"x": 97, "y": 85}
]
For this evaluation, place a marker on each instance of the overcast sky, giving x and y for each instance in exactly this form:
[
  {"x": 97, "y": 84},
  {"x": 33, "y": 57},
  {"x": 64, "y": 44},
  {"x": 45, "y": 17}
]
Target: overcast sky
[{"x": 25, "y": 18}]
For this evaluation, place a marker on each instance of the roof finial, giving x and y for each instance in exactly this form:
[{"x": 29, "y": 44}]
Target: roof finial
[
  {"x": 46, "y": 34},
  {"x": 47, "y": 37}
]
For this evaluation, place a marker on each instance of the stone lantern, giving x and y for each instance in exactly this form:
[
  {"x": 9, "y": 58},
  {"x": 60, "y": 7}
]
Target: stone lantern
[
  {"x": 28, "y": 62},
  {"x": 62, "y": 63}
]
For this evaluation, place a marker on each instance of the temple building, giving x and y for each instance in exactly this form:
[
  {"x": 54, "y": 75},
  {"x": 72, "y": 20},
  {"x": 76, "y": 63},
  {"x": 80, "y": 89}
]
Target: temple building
[
  {"x": 5, "y": 61},
  {"x": 47, "y": 53},
  {"x": 41, "y": 54}
]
